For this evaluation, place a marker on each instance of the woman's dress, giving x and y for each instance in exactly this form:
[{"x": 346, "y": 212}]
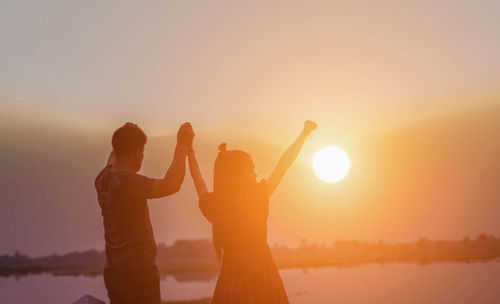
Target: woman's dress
[{"x": 249, "y": 273}]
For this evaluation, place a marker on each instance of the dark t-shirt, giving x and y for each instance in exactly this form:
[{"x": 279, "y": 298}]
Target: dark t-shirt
[{"x": 130, "y": 243}]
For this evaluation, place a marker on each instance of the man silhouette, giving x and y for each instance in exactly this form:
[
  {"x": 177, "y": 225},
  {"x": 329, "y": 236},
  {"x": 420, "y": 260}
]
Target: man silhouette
[{"x": 130, "y": 274}]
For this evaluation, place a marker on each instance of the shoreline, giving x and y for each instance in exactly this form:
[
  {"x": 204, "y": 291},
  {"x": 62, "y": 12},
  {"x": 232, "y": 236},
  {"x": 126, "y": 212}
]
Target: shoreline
[{"x": 183, "y": 267}]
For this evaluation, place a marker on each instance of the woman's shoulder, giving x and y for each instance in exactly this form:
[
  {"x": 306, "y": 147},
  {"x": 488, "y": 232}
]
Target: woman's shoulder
[
  {"x": 263, "y": 188},
  {"x": 262, "y": 193}
]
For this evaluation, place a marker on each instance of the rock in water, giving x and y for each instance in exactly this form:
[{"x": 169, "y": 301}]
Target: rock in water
[{"x": 87, "y": 299}]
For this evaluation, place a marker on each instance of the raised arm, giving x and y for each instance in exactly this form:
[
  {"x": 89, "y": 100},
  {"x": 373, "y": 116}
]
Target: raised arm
[
  {"x": 289, "y": 157},
  {"x": 194, "y": 169},
  {"x": 198, "y": 180},
  {"x": 174, "y": 177},
  {"x": 111, "y": 159}
]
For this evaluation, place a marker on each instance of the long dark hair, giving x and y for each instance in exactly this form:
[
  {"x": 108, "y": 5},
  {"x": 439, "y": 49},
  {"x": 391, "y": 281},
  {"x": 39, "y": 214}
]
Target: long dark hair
[{"x": 228, "y": 165}]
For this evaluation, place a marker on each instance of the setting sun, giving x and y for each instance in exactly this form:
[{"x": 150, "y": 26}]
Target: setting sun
[{"x": 331, "y": 164}]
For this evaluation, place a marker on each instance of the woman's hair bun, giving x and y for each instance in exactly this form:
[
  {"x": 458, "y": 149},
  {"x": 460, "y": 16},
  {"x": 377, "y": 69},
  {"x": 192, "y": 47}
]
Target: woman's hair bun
[{"x": 222, "y": 147}]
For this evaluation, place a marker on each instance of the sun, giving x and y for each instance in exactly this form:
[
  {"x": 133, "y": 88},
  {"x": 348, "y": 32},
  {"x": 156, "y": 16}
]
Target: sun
[{"x": 331, "y": 164}]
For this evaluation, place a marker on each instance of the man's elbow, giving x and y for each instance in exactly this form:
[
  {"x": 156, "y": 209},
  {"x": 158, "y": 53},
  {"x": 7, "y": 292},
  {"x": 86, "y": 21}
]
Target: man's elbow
[
  {"x": 176, "y": 188},
  {"x": 166, "y": 190}
]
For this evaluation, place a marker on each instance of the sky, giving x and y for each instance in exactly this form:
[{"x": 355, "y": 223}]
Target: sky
[
  {"x": 160, "y": 63},
  {"x": 248, "y": 71}
]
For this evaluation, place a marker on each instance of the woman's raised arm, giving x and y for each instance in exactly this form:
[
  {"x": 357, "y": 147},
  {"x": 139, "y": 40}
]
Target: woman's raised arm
[
  {"x": 194, "y": 169},
  {"x": 289, "y": 157}
]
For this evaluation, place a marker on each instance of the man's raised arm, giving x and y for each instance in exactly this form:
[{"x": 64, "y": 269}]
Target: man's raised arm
[
  {"x": 174, "y": 177},
  {"x": 111, "y": 159}
]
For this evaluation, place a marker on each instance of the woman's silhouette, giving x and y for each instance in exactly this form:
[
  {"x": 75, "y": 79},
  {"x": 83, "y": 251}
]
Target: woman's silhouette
[{"x": 238, "y": 211}]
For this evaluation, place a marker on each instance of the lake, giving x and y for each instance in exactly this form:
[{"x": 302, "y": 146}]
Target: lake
[{"x": 445, "y": 282}]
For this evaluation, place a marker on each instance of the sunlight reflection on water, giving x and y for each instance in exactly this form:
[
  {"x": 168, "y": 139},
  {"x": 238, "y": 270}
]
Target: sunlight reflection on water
[{"x": 367, "y": 283}]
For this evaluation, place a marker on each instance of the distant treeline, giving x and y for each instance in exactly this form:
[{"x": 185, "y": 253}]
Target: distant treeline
[
  {"x": 196, "y": 255},
  {"x": 181, "y": 250},
  {"x": 424, "y": 250}
]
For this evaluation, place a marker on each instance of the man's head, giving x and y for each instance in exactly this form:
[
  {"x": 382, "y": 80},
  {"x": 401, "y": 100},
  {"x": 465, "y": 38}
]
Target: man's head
[{"x": 128, "y": 144}]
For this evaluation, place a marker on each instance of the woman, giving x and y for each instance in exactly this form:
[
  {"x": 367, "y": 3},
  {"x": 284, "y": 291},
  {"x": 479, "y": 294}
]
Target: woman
[{"x": 238, "y": 211}]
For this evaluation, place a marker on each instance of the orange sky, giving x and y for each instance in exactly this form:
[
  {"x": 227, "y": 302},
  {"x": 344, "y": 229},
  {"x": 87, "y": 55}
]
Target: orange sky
[
  {"x": 345, "y": 64},
  {"x": 371, "y": 73}
]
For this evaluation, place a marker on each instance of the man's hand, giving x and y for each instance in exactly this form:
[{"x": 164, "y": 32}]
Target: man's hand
[
  {"x": 185, "y": 136},
  {"x": 309, "y": 126}
]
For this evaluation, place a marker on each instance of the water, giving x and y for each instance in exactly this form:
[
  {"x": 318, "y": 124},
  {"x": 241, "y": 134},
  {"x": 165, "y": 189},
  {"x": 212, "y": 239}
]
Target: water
[{"x": 368, "y": 283}]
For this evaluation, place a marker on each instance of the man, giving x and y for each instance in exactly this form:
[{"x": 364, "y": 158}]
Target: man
[{"x": 130, "y": 274}]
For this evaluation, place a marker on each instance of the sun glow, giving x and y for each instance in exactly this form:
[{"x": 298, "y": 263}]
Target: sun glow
[{"x": 331, "y": 164}]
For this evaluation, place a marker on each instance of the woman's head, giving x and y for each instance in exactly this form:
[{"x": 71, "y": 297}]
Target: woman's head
[{"x": 234, "y": 169}]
